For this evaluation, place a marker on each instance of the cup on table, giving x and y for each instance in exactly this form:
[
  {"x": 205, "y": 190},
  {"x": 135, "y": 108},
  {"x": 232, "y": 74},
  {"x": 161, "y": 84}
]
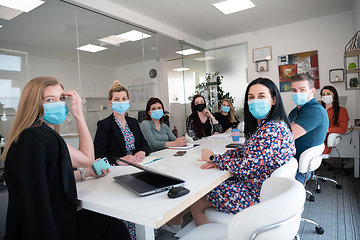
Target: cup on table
[{"x": 235, "y": 134}]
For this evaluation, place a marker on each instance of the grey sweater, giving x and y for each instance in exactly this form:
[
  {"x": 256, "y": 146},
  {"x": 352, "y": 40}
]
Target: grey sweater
[{"x": 156, "y": 139}]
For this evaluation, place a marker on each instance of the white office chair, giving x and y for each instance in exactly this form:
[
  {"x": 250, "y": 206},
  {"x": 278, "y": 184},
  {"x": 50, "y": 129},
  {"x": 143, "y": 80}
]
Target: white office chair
[
  {"x": 333, "y": 139},
  {"x": 288, "y": 170},
  {"x": 309, "y": 161},
  {"x": 277, "y": 216}
]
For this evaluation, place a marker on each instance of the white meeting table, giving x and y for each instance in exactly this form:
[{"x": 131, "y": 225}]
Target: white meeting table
[{"x": 105, "y": 196}]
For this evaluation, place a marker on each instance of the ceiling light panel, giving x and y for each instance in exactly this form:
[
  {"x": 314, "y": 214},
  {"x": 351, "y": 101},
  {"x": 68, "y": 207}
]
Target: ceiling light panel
[
  {"x": 133, "y": 35},
  {"x": 91, "y": 48},
  {"x": 231, "y": 6},
  {"x": 114, "y": 40},
  {"x": 181, "y": 69},
  {"x": 21, "y": 5},
  {"x": 188, "y": 52},
  {"x": 8, "y": 13}
]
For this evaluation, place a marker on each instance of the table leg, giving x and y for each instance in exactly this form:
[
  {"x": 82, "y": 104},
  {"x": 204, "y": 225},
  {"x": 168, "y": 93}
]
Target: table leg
[
  {"x": 356, "y": 167},
  {"x": 144, "y": 232}
]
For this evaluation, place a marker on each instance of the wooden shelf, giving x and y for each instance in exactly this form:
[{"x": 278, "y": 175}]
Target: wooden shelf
[
  {"x": 354, "y": 70},
  {"x": 352, "y": 53}
]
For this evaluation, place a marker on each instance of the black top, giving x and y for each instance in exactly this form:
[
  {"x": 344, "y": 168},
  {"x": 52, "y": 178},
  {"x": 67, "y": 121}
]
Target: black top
[
  {"x": 109, "y": 141},
  {"x": 208, "y": 128},
  {"x": 225, "y": 121},
  {"x": 41, "y": 185}
]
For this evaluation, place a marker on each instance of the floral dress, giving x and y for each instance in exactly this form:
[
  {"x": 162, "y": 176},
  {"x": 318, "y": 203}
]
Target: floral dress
[
  {"x": 271, "y": 146},
  {"x": 128, "y": 136}
]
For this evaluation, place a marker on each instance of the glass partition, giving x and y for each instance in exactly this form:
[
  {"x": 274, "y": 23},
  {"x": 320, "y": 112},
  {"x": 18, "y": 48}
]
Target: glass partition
[{"x": 48, "y": 41}]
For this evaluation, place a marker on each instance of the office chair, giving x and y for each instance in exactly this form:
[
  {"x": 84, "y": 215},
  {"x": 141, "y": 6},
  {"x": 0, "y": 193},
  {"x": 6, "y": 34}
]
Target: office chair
[
  {"x": 277, "y": 216},
  {"x": 309, "y": 161},
  {"x": 333, "y": 139},
  {"x": 288, "y": 170}
]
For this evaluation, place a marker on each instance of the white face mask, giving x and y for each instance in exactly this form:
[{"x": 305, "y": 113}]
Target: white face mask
[{"x": 327, "y": 99}]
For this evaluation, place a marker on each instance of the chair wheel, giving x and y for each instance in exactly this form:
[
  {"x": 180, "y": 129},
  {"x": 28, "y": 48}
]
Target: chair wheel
[
  {"x": 338, "y": 186},
  {"x": 319, "y": 230},
  {"x": 318, "y": 190},
  {"x": 312, "y": 199}
]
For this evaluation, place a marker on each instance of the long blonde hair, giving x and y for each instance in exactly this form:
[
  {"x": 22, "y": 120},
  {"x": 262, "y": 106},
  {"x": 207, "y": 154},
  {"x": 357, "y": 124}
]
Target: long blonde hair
[
  {"x": 30, "y": 109},
  {"x": 232, "y": 110},
  {"x": 117, "y": 87}
]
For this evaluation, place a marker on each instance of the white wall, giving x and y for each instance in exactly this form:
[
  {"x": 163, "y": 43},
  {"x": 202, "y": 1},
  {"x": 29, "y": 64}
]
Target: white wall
[
  {"x": 328, "y": 35},
  {"x": 356, "y": 27}
]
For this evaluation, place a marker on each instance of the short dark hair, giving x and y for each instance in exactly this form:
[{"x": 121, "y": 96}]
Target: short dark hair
[
  {"x": 303, "y": 77},
  {"x": 198, "y": 126},
  {"x": 277, "y": 111},
  {"x": 150, "y": 102},
  {"x": 336, "y": 105}
]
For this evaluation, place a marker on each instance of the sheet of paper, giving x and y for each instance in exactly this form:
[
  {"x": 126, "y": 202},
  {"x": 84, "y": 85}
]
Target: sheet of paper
[{"x": 188, "y": 146}]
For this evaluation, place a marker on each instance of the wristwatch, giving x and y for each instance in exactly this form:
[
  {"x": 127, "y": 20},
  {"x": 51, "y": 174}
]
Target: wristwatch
[{"x": 211, "y": 158}]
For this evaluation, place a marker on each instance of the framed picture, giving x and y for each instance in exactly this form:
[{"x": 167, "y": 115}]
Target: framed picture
[
  {"x": 261, "y": 54},
  {"x": 262, "y": 66}
]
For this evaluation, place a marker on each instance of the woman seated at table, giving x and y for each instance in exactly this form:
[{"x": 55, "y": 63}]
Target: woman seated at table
[
  {"x": 119, "y": 136},
  {"x": 338, "y": 116},
  {"x": 226, "y": 116},
  {"x": 156, "y": 132},
  {"x": 201, "y": 123},
  {"x": 39, "y": 170},
  {"x": 269, "y": 144}
]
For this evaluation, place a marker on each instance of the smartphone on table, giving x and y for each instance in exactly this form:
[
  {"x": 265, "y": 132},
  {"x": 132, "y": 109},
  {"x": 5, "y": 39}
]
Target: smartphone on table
[
  {"x": 179, "y": 153},
  {"x": 101, "y": 164}
]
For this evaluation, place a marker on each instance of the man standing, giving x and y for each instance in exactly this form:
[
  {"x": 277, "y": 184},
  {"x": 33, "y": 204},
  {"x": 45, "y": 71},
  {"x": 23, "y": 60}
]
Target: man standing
[{"x": 309, "y": 120}]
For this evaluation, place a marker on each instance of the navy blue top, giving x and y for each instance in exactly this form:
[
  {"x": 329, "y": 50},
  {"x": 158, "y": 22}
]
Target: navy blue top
[{"x": 312, "y": 117}]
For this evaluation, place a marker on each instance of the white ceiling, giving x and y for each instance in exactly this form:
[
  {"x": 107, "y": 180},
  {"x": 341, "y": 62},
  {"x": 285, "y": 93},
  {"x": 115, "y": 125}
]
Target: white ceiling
[
  {"x": 49, "y": 30},
  {"x": 200, "y": 19}
]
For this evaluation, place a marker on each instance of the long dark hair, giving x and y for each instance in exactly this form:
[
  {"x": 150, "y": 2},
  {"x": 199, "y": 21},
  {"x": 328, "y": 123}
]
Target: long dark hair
[
  {"x": 152, "y": 101},
  {"x": 199, "y": 129},
  {"x": 277, "y": 111},
  {"x": 336, "y": 105}
]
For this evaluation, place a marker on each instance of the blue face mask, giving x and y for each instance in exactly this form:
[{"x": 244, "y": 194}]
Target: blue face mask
[
  {"x": 225, "y": 109},
  {"x": 55, "y": 113},
  {"x": 300, "y": 98},
  {"x": 120, "y": 107},
  {"x": 259, "y": 108},
  {"x": 157, "y": 114}
]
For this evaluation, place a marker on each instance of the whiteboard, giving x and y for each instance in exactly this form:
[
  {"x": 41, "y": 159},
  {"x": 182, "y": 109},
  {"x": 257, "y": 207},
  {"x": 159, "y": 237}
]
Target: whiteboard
[{"x": 139, "y": 95}]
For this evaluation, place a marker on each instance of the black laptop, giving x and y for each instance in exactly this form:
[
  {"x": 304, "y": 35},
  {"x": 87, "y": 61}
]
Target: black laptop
[{"x": 148, "y": 181}]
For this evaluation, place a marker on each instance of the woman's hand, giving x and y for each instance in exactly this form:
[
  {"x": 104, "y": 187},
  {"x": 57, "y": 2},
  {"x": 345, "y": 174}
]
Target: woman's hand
[
  {"x": 76, "y": 103},
  {"x": 205, "y": 155},
  {"x": 180, "y": 142},
  {"x": 129, "y": 158},
  {"x": 93, "y": 174},
  {"x": 208, "y": 166},
  {"x": 207, "y": 113},
  {"x": 140, "y": 156}
]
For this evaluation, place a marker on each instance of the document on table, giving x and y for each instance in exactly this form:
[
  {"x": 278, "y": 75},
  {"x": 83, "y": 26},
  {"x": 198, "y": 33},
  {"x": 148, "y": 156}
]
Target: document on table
[
  {"x": 223, "y": 135},
  {"x": 188, "y": 146}
]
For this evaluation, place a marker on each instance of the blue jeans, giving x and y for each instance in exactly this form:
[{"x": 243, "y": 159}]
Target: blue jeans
[{"x": 301, "y": 177}]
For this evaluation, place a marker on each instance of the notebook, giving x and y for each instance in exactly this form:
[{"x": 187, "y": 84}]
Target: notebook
[{"x": 148, "y": 181}]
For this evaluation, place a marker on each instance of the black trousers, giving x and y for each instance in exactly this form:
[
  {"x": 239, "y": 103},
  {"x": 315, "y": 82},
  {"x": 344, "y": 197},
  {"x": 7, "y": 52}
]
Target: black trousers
[{"x": 96, "y": 226}]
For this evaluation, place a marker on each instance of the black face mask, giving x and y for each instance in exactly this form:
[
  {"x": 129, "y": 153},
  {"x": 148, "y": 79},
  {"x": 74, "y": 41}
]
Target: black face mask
[{"x": 200, "y": 107}]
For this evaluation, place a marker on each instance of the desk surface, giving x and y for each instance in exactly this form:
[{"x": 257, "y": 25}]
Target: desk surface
[{"x": 106, "y": 196}]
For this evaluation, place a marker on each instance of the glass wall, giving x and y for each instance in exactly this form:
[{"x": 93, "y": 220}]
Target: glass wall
[
  {"x": 197, "y": 75},
  {"x": 51, "y": 40}
]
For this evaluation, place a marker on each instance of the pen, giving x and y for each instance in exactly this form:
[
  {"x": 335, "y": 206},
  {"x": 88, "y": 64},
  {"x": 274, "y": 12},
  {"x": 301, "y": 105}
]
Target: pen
[{"x": 155, "y": 159}]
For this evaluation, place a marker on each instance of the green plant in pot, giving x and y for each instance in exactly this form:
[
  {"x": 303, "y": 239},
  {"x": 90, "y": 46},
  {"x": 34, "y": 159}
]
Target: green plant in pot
[{"x": 354, "y": 82}]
